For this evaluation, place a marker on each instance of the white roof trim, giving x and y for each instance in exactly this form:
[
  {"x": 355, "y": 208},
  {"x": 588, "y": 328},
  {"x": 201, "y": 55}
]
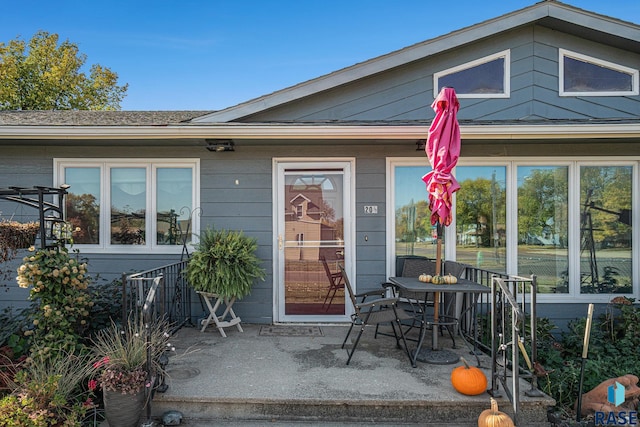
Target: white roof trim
[
  {"x": 326, "y": 132},
  {"x": 422, "y": 50}
]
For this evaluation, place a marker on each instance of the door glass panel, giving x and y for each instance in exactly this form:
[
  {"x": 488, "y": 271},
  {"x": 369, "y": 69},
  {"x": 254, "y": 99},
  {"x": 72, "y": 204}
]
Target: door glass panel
[
  {"x": 543, "y": 226},
  {"x": 481, "y": 217},
  {"x": 605, "y": 229},
  {"x": 313, "y": 242}
]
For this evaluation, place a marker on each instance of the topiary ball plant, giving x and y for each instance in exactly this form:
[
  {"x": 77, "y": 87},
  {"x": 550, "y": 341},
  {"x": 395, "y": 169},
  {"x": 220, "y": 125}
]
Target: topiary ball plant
[{"x": 225, "y": 264}]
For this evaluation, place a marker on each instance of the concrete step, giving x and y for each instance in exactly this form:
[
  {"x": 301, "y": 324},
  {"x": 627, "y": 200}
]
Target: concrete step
[
  {"x": 273, "y": 412},
  {"x": 252, "y": 380}
]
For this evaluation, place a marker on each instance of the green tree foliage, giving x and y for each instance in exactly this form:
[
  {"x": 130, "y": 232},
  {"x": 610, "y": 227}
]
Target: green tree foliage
[
  {"x": 46, "y": 75},
  {"x": 83, "y": 212},
  {"x": 542, "y": 203}
]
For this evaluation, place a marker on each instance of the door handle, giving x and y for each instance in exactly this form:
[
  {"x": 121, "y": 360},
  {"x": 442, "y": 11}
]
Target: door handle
[
  {"x": 280, "y": 241},
  {"x": 341, "y": 253}
]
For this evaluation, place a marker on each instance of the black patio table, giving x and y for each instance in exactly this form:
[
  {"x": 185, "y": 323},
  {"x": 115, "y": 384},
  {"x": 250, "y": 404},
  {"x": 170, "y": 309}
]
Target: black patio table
[{"x": 411, "y": 286}]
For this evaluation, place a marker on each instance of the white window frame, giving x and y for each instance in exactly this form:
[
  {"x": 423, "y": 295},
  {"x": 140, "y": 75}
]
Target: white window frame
[
  {"x": 574, "y": 207},
  {"x": 506, "y": 54},
  {"x": 635, "y": 75},
  {"x": 150, "y": 165}
]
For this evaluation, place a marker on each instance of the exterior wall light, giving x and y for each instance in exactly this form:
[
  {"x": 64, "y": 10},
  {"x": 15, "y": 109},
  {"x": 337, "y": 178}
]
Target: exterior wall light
[{"x": 219, "y": 145}]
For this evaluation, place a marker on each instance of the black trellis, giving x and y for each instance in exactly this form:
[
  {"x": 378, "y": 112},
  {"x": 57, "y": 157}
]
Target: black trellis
[{"x": 49, "y": 211}]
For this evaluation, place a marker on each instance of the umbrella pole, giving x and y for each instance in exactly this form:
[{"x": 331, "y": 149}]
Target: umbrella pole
[
  {"x": 436, "y": 296},
  {"x": 435, "y": 355}
]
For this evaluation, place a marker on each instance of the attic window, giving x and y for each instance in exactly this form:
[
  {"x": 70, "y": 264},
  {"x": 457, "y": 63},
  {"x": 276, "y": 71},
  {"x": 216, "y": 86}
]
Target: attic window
[
  {"x": 583, "y": 75},
  {"x": 486, "y": 77}
]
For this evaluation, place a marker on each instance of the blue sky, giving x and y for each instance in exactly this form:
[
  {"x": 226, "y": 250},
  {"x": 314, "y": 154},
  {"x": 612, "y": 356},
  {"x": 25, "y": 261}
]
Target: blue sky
[{"x": 212, "y": 54}]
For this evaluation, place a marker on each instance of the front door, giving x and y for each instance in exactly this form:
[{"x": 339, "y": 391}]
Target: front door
[{"x": 313, "y": 235}]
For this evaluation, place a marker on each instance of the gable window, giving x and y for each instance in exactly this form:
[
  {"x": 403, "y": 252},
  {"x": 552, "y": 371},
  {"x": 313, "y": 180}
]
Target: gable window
[
  {"x": 582, "y": 75},
  {"x": 130, "y": 205},
  {"x": 486, "y": 77}
]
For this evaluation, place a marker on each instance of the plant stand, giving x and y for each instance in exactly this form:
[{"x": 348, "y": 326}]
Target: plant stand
[{"x": 220, "y": 321}]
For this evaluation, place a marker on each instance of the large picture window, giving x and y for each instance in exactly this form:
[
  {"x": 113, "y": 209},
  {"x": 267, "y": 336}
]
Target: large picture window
[
  {"x": 543, "y": 203},
  {"x": 569, "y": 223},
  {"x": 481, "y": 217},
  {"x": 130, "y": 205},
  {"x": 605, "y": 229}
]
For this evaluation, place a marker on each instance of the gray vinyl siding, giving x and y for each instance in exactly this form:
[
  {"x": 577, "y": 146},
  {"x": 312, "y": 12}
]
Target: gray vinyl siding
[
  {"x": 248, "y": 206},
  {"x": 405, "y": 93}
]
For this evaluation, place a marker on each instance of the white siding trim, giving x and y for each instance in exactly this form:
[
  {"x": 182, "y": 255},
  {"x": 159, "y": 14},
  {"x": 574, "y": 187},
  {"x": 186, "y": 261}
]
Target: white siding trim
[{"x": 281, "y": 132}]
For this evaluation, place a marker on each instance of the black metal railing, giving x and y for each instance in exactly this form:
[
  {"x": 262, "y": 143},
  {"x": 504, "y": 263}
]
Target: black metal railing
[
  {"x": 475, "y": 325},
  {"x": 172, "y": 297}
]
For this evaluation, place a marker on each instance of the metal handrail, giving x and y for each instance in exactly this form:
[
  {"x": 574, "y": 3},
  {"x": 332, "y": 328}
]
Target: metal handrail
[
  {"x": 508, "y": 337},
  {"x": 173, "y": 299},
  {"x": 148, "y": 318}
]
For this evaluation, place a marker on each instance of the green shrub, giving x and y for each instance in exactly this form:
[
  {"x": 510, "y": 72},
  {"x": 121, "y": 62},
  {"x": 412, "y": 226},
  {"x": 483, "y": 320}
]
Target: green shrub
[
  {"x": 107, "y": 306},
  {"x": 224, "y": 263},
  {"x": 48, "y": 392},
  {"x": 613, "y": 352},
  {"x": 58, "y": 286}
]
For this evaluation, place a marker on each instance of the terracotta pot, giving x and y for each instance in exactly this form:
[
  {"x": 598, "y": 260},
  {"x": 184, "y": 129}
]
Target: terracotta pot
[{"x": 123, "y": 410}]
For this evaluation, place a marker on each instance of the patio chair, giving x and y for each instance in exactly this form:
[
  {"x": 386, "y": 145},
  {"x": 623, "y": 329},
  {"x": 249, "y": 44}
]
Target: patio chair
[
  {"x": 374, "y": 313},
  {"x": 414, "y": 267},
  {"x": 336, "y": 283}
]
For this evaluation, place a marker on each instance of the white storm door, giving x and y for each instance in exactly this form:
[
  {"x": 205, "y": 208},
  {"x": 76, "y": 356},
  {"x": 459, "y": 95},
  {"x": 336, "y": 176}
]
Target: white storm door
[{"x": 313, "y": 234}]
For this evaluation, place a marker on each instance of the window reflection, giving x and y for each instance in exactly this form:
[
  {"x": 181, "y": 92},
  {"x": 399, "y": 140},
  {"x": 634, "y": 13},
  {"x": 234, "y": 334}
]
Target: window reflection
[
  {"x": 481, "y": 217},
  {"x": 413, "y": 230},
  {"x": 83, "y": 203},
  {"x": 314, "y": 242},
  {"x": 582, "y": 76},
  {"x": 542, "y": 226},
  {"x": 605, "y": 229},
  {"x": 128, "y": 206},
  {"x": 173, "y": 204},
  {"x": 487, "y": 78}
]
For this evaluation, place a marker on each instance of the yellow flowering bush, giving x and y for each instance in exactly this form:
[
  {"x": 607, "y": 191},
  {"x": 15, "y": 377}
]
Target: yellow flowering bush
[{"x": 58, "y": 285}]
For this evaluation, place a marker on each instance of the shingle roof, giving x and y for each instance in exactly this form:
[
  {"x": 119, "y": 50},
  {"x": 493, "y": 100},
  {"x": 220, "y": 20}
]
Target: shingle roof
[{"x": 96, "y": 118}]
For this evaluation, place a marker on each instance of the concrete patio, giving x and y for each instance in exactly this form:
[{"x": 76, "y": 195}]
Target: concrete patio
[{"x": 298, "y": 375}]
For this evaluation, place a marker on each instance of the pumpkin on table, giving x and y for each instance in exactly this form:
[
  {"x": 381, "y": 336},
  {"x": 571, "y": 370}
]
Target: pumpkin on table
[
  {"x": 468, "y": 379},
  {"x": 424, "y": 277},
  {"x": 450, "y": 279},
  {"x": 494, "y": 418},
  {"x": 437, "y": 280}
]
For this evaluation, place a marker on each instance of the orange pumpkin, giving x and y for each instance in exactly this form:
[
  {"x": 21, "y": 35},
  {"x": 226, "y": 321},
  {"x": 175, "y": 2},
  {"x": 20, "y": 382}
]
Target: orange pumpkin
[
  {"x": 468, "y": 379},
  {"x": 494, "y": 418}
]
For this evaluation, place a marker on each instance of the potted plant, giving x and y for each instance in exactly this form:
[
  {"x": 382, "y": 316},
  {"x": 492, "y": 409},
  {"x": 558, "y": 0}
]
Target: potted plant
[
  {"x": 224, "y": 264},
  {"x": 123, "y": 372}
]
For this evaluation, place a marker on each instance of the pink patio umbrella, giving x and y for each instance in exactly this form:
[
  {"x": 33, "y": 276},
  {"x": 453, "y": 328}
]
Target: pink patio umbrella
[{"x": 443, "y": 150}]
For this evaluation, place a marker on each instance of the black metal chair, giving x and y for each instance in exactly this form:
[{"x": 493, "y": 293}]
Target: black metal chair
[
  {"x": 373, "y": 313},
  {"x": 336, "y": 283},
  {"x": 414, "y": 267}
]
